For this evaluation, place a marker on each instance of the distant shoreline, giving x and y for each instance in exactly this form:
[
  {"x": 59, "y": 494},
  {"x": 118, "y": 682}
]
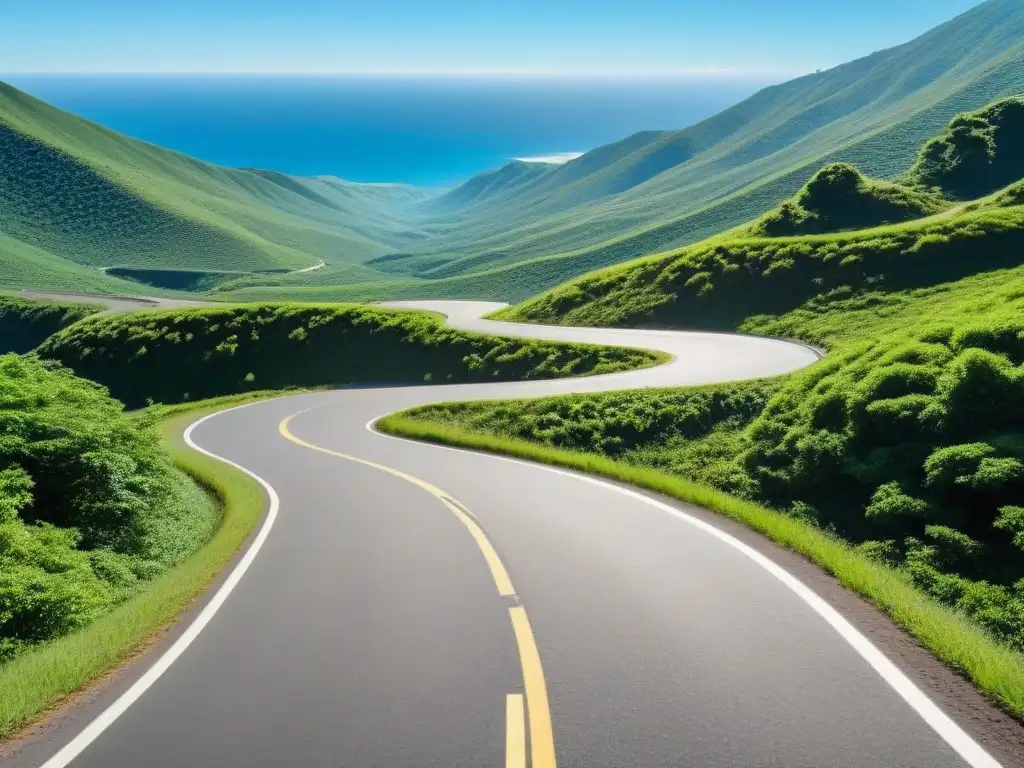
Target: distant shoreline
[
  {"x": 555, "y": 158},
  {"x": 424, "y": 132}
]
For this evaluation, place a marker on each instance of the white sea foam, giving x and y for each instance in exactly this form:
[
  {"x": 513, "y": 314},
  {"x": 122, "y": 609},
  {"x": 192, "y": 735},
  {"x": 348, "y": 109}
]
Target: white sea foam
[{"x": 556, "y": 158}]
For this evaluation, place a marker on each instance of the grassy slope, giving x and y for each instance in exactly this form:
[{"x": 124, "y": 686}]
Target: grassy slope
[
  {"x": 114, "y": 201},
  {"x": 654, "y": 190},
  {"x": 720, "y": 284},
  {"x": 25, "y": 266},
  {"x": 179, "y": 355},
  {"x": 731, "y": 280},
  {"x": 839, "y": 197}
]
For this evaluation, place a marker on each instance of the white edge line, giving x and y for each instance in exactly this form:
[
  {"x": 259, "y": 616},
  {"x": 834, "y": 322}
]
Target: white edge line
[
  {"x": 959, "y": 740},
  {"x": 106, "y": 718}
]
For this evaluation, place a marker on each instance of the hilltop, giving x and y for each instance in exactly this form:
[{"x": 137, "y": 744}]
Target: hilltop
[
  {"x": 978, "y": 153},
  {"x": 839, "y": 197}
]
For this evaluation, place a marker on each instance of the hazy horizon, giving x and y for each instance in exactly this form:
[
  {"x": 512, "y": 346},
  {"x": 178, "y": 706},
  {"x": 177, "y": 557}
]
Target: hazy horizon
[{"x": 427, "y": 131}]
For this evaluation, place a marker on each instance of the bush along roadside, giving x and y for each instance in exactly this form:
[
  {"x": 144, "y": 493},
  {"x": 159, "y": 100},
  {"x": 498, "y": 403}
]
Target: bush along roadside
[
  {"x": 42, "y": 674},
  {"x": 182, "y": 355},
  {"x": 91, "y": 505}
]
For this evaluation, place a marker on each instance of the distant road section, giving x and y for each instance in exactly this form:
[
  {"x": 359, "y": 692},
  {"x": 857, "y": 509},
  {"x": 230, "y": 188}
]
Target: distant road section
[
  {"x": 116, "y": 303},
  {"x": 698, "y": 357}
]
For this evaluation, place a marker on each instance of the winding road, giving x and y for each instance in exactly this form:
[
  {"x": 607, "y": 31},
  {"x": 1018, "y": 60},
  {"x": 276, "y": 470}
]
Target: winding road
[{"x": 412, "y": 606}]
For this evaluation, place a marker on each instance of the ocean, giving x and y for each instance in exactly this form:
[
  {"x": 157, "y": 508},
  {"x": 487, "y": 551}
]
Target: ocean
[{"x": 425, "y": 131}]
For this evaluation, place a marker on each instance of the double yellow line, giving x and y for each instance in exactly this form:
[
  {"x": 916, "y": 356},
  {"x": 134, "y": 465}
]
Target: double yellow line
[{"x": 542, "y": 741}]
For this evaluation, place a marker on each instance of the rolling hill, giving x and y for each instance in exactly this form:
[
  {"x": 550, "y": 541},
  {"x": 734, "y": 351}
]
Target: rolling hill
[
  {"x": 78, "y": 195},
  {"x": 744, "y": 278},
  {"x": 506, "y": 234}
]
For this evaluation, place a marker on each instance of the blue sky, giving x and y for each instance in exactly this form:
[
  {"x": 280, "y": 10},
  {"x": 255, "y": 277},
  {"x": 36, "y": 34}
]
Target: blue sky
[{"x": 552, "y": 37}]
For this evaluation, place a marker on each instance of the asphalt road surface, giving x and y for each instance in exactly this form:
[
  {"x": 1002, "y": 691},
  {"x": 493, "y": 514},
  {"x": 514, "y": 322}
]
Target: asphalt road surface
[{"x": 410, "y": 606}]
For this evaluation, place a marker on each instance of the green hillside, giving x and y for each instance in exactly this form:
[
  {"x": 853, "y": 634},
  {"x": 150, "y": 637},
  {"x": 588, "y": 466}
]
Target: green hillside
[
  {"x": 192, "y": 354},
  {"x": 659, "y": 190},
  {"x": 526, "y": 227},
  {"x": 718, "y": 284},
  {"x": 77, "y": 192},
  {"x": 977, "y": 154},
  {"x": 484, "y": 188},
  {"x": 764, "y": 270}
]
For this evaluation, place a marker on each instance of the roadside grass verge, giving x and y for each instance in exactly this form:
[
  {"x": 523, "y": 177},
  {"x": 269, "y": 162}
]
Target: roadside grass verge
[
  {"x": 44, "y": 678},
  {"x": 995, "y": 669}
]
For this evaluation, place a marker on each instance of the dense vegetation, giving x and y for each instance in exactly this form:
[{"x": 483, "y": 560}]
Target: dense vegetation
[
  {"x": 90, "y": 504},
  {"x": 978, "y": 153},
  {"x": 908, "y": 439},
  {"x": 838, "y": 197},
  {"x": 179, "y": 355},
  {"x": 24, "y": 324},
  {"x": 722, "y": 283},
  {"x": 692, "y": 432}
]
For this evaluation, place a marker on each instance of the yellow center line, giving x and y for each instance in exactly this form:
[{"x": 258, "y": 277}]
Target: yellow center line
[
  {"x": 542, "y": 741},
  {"x": 515, "y": 732},
  {"x": 542, "y": 738},
  {"x": 501, "y": 577}
]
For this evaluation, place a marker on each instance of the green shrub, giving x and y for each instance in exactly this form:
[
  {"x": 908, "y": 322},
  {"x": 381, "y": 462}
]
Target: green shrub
[
  {"x": 979, "y": 389},
  {"x": 977, "y": 154},
  {"x": 1012, "y": 519},
  {"x": 838, "y": 197},
  {"x": 89, "y": 503},
  {"x": 954, "y": 465},
  {"x": 890, "y": 502}
]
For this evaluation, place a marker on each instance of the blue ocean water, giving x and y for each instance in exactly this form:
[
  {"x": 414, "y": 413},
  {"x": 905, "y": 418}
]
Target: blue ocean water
[{"x": 380, "y": 129}]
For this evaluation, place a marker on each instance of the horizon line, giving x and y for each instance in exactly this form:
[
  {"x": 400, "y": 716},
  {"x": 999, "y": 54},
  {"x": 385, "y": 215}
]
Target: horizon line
[{"x": 582, "y": 74}]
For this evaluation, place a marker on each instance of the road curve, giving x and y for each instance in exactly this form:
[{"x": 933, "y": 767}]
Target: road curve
[{"x": 411, "y": 606}]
